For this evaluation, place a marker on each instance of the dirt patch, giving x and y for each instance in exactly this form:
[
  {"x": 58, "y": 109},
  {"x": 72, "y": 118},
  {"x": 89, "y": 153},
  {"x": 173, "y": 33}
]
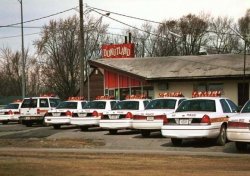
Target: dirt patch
[
  {"x": 80, "y": 164},
  {"x": 50, "y": 143}
]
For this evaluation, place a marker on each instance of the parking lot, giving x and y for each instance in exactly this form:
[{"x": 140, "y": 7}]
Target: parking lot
[
  {"x": 98, "y": 139},
  {"x": 39, "y": 150}
]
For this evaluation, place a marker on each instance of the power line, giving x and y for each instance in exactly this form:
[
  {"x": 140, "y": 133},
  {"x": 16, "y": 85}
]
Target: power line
[
  {"x": 177, "y": 35},
  {"x": 15, "y": 36},
  {"x": 14, "y": 24}
]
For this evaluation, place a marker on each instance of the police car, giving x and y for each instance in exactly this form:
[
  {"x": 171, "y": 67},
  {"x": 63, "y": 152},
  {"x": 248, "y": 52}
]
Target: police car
[
  {"x": 33, "y": 109},
  {"x": 92, "y": 112},
  {"x": 204, "y": 116},
  {"x": 63, "y": 112},
  {"x": 239, "y": 128},
  {"x": 151, "y": 119},
  {"x": 121, "y": 116},
  {"x": 11, "y": 112}
]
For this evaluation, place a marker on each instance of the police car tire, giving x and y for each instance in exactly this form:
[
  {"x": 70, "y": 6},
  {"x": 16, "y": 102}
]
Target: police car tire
[
  {"x": 4, "y": 122},
  {"x": 56, "y": 126},
  {"x": 28, "y": 124},
  {"x": 241, "y": 146},
  {"x": 222, "y": 138},
  {"x": 145, "y": 133},
  {"x": 84, "y": 128},
  {"x": 176, "y": 141},
  {"x": 112, "y": 131}
]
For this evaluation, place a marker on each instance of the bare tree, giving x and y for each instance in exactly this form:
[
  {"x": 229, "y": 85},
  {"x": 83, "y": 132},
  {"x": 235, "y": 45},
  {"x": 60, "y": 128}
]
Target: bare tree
[
  {"x": 193, "y": 29},
  {"x": 221, "y": 37},
  {"x": 59, "y": 48}
]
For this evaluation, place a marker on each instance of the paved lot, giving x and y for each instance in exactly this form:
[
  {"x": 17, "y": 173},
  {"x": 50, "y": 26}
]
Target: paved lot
[{"x": 125, "y": 140}]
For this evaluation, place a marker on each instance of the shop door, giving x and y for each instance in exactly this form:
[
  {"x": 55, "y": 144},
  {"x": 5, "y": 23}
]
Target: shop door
[{"x": 243, "y": 93}]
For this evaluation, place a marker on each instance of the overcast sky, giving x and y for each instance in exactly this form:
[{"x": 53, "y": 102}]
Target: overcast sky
[{"x": 156, "y": 10}]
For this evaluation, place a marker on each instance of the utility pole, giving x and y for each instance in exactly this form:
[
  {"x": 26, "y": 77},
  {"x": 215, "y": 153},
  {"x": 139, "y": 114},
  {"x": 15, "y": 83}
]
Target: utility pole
[
  {"x": 23, "y": 60},
  {"x": 82, "y": 59}
]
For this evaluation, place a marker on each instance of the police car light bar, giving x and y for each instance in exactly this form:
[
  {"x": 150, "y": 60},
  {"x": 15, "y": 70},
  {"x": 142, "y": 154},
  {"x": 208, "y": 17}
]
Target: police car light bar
[
  {"x": 47, "y": 95},
  {"x": 17, "y": 101},
  {"x": 206, "y": 94},
  {"x": 76, "y": 98},
  {"x": 136, "y": 97},
  {"x": 171, "y": 94},
  {"x": 105, "y": 97}
]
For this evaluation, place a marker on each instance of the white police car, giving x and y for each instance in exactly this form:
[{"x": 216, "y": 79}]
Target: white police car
[
  {"x": 11, "y": 112},
  {"x": 239, "y": 128},
  {"x": 33, "y": 109},
  {"x": 92, "y": 112},
  {"x": 121, "y": 116},
  {"x": 63, "y": 112},
  {"x": 205, "y": 116},
  {"x": 151, "y": 119}
]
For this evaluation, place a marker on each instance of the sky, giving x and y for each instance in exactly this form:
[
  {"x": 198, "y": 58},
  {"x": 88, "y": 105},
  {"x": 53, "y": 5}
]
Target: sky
[{"x": 155, "y": 10}]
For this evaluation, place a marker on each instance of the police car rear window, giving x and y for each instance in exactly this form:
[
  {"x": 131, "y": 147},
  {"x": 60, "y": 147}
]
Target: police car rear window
[
  {"x": 67, "y": 105},
  {"x": 197, "y": 105},
  {"x": 12, "y": 106},
  {"x": 132, "y": 105},
  {"x": 162, "y": 104},
  {"x": 95, "y": 105},
  {"x": 29, "y": 103}
]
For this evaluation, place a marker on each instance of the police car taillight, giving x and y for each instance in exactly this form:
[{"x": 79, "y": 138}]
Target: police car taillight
[
  {"x": 165, "y": 120},
  {"x": 206, "y": 119},
  {"x": 129, "y": 115},
  {"x": 68, "y": 113},
  {"x": 38, "y": 111},
  {"x": 237, "y": 125},
  {"x": 95, "y": 114},
  {"x": 10, "y": 112}
]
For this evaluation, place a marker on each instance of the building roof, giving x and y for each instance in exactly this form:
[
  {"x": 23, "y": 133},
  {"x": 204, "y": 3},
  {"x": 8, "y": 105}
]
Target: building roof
[{"x": 178, "y": 67}]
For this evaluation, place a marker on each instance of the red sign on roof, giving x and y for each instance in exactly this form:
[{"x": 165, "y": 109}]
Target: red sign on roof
[{"x": 118, "y": 50}]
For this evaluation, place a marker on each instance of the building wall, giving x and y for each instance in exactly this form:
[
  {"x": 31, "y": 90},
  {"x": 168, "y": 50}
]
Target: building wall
[
  {"x": 230, "y": 88},
  {"x": 96, "y": 85}
]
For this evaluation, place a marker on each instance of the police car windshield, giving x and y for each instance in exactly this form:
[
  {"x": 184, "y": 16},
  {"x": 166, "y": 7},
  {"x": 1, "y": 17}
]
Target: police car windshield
[
  {"x": 67, "y": 105},
  {"x": 162, "y": 104},
  {"x": 12, "y": 106},
  {"x": 197, "y": 105},
  {"x": 95, "y": 105},
  {"x": 246, "y": 108},
  {"x": 132, "y": 105}
]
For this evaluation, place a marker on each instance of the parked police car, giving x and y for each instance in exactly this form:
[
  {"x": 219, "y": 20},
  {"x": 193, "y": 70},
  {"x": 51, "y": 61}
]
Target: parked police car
[
  {"x": 239, "y": 128},
  {"x": 121, "y": 116},
  {"x": 11, "y": 112},
  {"x": 204, "y": 116},
  {"x": 152, "y": 118},
  {"x": 92, "y": 112},
  {"x": 62, "y": 114},
  {"x": 33, "y": 109}
]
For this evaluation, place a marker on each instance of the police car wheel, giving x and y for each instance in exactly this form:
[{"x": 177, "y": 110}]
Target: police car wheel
[
  {"x": 241, "y": 146},
  {"x": 84, "y": 128},
  {"x": 112, "y": 131},
  {"x": 222, "y": 138},
  {"x": 176, "y": 141},
  {"x": 57, "y": 126},
  {"x": 145, "y": 133},
  {"x": 4, "y": 122}
]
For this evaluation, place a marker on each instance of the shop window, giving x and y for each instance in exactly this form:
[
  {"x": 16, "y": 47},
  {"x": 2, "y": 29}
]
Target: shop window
[
  {"x": 162, "y": 86},
  {"x": 209, "y": 87}
]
